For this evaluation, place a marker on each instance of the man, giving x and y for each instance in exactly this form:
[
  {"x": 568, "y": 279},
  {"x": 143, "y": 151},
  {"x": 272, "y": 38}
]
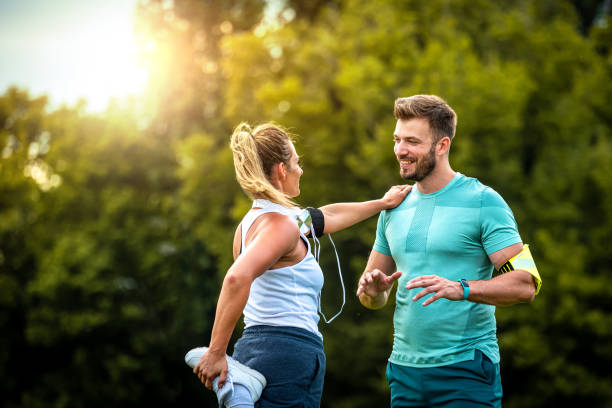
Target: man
[{"x": 441, "y": 245}]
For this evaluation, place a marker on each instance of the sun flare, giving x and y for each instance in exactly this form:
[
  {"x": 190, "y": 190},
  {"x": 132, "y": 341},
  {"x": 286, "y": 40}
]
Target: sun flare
[
  {"x": 106, "y": 66},
  {"x": 71, "y": 50}
]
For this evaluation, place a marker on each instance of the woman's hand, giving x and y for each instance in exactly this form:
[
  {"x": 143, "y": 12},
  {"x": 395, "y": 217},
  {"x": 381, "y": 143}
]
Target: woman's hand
[
  {"x": 211, "y": 366},
  {"x": 395, "y": 196}
]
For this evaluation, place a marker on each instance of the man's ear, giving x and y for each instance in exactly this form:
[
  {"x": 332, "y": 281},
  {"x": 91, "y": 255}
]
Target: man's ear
[{"x": 443, "y": 145}]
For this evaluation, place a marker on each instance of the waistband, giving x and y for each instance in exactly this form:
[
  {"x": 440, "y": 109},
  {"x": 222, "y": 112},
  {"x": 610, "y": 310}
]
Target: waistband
[{"x": 294, "y": 333}]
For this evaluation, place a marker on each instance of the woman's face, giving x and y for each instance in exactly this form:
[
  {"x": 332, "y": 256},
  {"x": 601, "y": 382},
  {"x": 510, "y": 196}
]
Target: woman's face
[{"x": 293, "y": 172}]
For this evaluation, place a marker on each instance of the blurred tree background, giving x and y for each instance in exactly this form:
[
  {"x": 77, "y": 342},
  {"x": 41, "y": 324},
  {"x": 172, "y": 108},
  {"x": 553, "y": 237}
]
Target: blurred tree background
[{"x": 115, "y": 229}]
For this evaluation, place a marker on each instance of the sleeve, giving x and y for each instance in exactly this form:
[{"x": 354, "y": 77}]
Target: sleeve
[
  {"x": 498, "y": 227},
  {"x": 381, "y": 244}
]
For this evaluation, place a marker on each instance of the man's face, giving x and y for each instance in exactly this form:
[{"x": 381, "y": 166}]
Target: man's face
[{"x": 414, "y": 149}]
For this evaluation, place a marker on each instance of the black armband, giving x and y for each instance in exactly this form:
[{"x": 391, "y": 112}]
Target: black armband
[{"x": 318, "y": 220}]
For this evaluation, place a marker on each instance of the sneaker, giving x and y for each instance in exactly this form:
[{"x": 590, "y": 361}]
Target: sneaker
[{"x": 238, "y": 373}]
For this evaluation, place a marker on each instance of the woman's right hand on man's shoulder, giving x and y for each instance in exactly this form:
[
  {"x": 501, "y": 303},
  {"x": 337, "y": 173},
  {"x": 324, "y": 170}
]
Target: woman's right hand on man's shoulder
[{"x": 395, "y": 195}]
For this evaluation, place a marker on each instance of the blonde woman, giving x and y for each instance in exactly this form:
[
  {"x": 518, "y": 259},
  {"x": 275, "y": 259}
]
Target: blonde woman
[{"x": 275, "y": 280}]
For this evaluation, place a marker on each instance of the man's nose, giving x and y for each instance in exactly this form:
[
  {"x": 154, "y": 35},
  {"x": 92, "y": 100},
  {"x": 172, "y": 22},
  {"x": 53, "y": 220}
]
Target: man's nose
[{"x": 401, "y": 149}]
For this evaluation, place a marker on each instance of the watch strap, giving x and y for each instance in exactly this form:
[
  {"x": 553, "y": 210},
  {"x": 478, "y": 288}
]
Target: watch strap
[{"x": 466, "y": 288}]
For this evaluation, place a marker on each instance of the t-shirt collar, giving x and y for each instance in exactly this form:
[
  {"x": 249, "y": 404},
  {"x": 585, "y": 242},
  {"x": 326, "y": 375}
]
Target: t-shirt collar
[{"x": 453, "y": 181}]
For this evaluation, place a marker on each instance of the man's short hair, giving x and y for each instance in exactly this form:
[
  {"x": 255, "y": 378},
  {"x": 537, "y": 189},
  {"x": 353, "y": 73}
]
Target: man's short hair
[{"x": 441, "y": 117}]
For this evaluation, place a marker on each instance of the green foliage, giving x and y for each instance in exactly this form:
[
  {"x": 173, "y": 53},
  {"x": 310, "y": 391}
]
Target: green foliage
[
  {"x": 102, "y": 282},
  {"x": 116, "y": 230}
]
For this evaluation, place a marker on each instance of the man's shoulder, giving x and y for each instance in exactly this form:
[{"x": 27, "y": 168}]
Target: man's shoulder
[
  {"x": 473, "y": 188},
  {"x": 470, "y": 184},
  {"x": 465, "y": 192}
]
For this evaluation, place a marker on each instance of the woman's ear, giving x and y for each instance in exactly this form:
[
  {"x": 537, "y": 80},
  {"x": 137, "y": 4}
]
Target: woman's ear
[{"x": 278, "y": 171}]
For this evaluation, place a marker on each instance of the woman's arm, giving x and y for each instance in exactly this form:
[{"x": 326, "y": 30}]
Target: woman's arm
[
  {"x": 342, "y": 215},
  {"x": 274, "y": 236}
]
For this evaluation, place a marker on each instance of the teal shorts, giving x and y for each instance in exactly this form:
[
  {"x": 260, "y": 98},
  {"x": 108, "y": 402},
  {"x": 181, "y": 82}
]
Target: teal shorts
[{"x": 473, "y": 383}]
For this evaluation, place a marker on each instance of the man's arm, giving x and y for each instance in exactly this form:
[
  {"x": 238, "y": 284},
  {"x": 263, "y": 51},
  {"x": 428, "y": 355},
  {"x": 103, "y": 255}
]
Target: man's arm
[
  {"x": 503, "y": 290},
  {"x": 377, "y": 280}
]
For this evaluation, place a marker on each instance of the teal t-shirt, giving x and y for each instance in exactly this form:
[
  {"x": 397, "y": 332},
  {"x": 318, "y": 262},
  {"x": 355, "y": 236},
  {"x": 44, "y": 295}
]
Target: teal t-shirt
[{"x": 449, "y": 233}]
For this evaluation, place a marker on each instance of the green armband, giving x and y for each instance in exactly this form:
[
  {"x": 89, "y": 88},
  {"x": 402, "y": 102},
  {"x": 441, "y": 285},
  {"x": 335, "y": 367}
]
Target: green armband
[{"x": 523, "y": 261}]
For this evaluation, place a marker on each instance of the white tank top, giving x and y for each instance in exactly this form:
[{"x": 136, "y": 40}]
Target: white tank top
[{"x": 287, "y": 296}]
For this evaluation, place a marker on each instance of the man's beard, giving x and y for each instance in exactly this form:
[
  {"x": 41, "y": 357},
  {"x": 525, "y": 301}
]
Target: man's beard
[{"x": 424, "y": 166}]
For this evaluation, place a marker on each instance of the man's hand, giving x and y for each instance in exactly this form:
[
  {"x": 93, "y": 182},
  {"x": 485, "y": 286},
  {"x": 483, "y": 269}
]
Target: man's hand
[
  {"x": 210, "y": 367},
  {"x": 440, "y": 287},
  {"x": 374, "y": 282}
]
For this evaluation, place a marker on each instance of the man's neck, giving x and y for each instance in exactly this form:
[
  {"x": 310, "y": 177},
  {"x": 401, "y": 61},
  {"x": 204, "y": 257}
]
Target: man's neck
[{"x": 437, "y": 179}]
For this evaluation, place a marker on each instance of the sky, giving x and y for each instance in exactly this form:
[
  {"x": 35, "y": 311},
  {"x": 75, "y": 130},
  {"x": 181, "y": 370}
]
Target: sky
[{"x": 70, "y": 49}]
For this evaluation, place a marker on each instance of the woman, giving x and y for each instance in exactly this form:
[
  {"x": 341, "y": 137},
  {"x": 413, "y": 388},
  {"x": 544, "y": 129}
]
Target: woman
[{"x": 275, "y": 280}]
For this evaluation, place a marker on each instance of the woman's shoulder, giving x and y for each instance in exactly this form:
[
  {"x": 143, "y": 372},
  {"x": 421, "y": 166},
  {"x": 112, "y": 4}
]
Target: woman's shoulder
[
  {"x": 277, "y": 225},
  {"x": 278, "y": 221}
]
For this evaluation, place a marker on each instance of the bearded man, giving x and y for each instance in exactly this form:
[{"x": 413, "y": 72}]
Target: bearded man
[{"x": 442, "y": 245}]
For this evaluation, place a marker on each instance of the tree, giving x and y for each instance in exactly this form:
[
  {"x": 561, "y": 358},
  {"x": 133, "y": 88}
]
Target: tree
[{"x": 103, "y": 283}]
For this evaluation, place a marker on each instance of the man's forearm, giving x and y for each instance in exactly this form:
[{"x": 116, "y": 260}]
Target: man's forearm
[{"x": 503, "y": 290}]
